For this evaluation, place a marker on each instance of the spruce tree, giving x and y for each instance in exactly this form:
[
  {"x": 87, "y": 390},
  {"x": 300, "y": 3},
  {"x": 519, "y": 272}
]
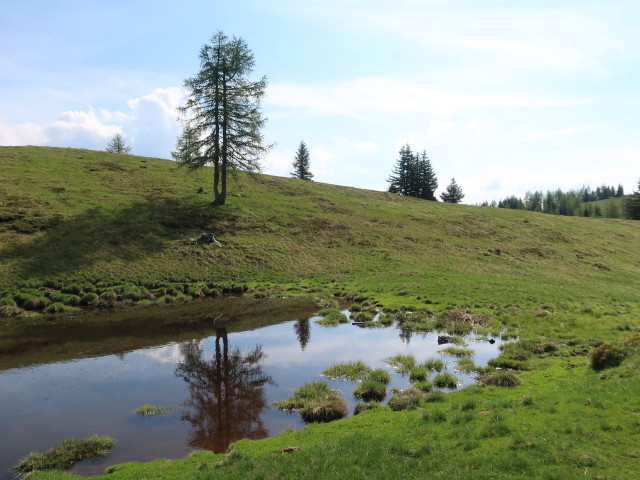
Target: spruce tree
[
  {"x": 453, "y": 193},
  {"x": 428, "y": 182},
  {"x": 632, "y": 205},
  {"x": 400, "y": 180},
  {"x": 301, "y": 163}
]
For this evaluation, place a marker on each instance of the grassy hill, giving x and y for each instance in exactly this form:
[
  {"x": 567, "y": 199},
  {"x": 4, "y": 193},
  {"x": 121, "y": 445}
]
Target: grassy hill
[
  {"x": 77, "y": 217},
  {"x": 78, "y": 225}
]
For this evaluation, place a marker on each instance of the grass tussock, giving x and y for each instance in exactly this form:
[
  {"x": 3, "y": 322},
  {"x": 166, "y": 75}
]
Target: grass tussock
[
  {"x": 500, "y": 378},
  {"x": 352, "y": 371},
  {"x": 402, "y": 363},
  {"x": 149, "y": 410},
  {"x": 65, "y": 455},
  {"x": 370, "y": 390},
  {"x": 457, "y": 352},
  {"x": 445, "y": 380},
  {"x": 316, "y": 402},
  {"x": 332, "y": 317}
]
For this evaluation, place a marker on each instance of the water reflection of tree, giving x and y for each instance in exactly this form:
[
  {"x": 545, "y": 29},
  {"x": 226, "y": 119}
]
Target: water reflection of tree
[
  {"x": 405, "y": 335},
  {"x": 303, "y": 332},
  {"x": 226, "y": 394}
]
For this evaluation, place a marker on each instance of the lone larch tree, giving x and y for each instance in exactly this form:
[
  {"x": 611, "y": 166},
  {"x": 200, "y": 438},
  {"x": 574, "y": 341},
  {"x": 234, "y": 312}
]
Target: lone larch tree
[
  {"x": 301, "y": 163},
  {"x": 117, "y": 145},
  {"x": 223, "y": 121}
]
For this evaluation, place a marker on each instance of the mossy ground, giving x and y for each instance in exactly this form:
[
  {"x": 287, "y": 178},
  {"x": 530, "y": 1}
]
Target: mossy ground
[{"x": 76, "y": 223}]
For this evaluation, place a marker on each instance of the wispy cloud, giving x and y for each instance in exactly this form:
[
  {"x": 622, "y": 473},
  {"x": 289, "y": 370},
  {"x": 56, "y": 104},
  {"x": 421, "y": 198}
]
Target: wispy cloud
[
  {"x": 557, "y": 133},
  {"x": 363, "y": 96}
]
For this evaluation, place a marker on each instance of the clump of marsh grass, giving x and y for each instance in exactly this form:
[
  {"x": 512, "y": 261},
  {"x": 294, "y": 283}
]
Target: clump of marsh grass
[
  {"x": 418, "y": 374},
  {"x": 65, "y": 455},
  {"x": 370, "y": 390},
  {"x": 466, "y": 365},
  {"x": 406, "y": 399},
  {"x": 434, "y": 365},
  {"x": 457, "y": 352},
  {"x": 379, "y": 375},
  {"x": 402, "y": 363},
  {"x": 500, "y": 378},
  {"x": 152, "y": 410},
  {"x": 331, "y": 317},
  {"x": 357, "y": 370},
  {"x": 423, "y": 386},
  {"x": 445, "y": 380},
  {"x": 316, "y": 402},
  {"x": 362, "y": 407}
]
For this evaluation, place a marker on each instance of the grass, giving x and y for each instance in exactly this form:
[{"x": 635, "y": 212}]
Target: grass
[
  {"x": 370, "y": 390},
  {"x": 152, "y": 410},
  {"x": 332, "y": 317},
  {"x": 115, "y": 230},
  {"x": 402, "y": 363},
  {"x": 316, "y": 402},
  {"x": 445, "y": 380},
  {"x": 65, "y": 455},
  {"x": 457, "y": 352},
  {"x": 348, "y": 371}
]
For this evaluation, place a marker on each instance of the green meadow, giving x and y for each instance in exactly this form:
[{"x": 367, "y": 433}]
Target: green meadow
[{"x": 85, "y": 229}]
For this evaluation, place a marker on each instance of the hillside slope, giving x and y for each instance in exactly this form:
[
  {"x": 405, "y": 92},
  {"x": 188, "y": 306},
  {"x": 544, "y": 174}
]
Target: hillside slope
[{"x": 71, "y": 216}]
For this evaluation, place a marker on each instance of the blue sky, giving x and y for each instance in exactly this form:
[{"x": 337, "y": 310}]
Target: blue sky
[{"x": 505, "y": 96}]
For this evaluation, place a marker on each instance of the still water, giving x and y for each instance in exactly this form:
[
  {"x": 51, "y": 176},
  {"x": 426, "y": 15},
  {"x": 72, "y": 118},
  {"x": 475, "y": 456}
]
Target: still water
[{"x": 218, "y": 365}]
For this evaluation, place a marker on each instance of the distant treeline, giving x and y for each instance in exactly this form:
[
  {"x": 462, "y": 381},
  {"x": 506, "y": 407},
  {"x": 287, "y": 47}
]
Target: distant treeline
[{"x": 571, "y": 203}]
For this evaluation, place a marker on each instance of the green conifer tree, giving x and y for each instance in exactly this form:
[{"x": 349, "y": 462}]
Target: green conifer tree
[
  {"x": 301, "y": 163},
  {"x": 453, "y": 193}
]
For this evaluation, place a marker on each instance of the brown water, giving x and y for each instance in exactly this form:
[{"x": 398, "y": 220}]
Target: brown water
[{"x": 217, "y": 364}]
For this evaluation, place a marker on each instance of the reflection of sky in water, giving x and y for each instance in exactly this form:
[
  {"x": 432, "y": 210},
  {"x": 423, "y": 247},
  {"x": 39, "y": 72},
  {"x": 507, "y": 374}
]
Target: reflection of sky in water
[{"x": 42, "y": 405}]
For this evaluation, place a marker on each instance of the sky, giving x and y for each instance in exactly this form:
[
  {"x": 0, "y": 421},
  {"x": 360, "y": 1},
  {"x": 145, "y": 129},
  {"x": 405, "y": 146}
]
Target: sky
[{"x": 505, "y": 96}]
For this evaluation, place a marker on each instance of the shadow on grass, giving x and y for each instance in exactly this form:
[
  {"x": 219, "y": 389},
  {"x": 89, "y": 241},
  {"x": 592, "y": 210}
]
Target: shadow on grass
[{"x": 104, "y": 234}]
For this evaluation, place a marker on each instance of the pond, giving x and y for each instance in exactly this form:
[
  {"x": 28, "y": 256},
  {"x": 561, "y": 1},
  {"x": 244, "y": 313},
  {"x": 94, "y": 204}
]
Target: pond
[{"x": 217, "y": 365}]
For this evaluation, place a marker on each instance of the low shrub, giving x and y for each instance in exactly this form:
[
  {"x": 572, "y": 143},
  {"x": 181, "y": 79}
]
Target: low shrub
[
  {"x": 445, "y": 380},
  {"x": 370, "y": 390},
  {"x": 607, "y": 355},
  {"x": 500, "y": 378}
]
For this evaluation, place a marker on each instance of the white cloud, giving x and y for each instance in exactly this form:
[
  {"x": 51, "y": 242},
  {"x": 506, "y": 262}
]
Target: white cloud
[
  {"x": 322, "y": 160},
  {"x": 437, "y": 128},
  {"x": 364, "y": 146},
  {"x": 556, "y": 133},
  {"x": 150, "y": 126},
  {"x": 362, "y": 96},
  {"x": 278, "y": 163}
]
